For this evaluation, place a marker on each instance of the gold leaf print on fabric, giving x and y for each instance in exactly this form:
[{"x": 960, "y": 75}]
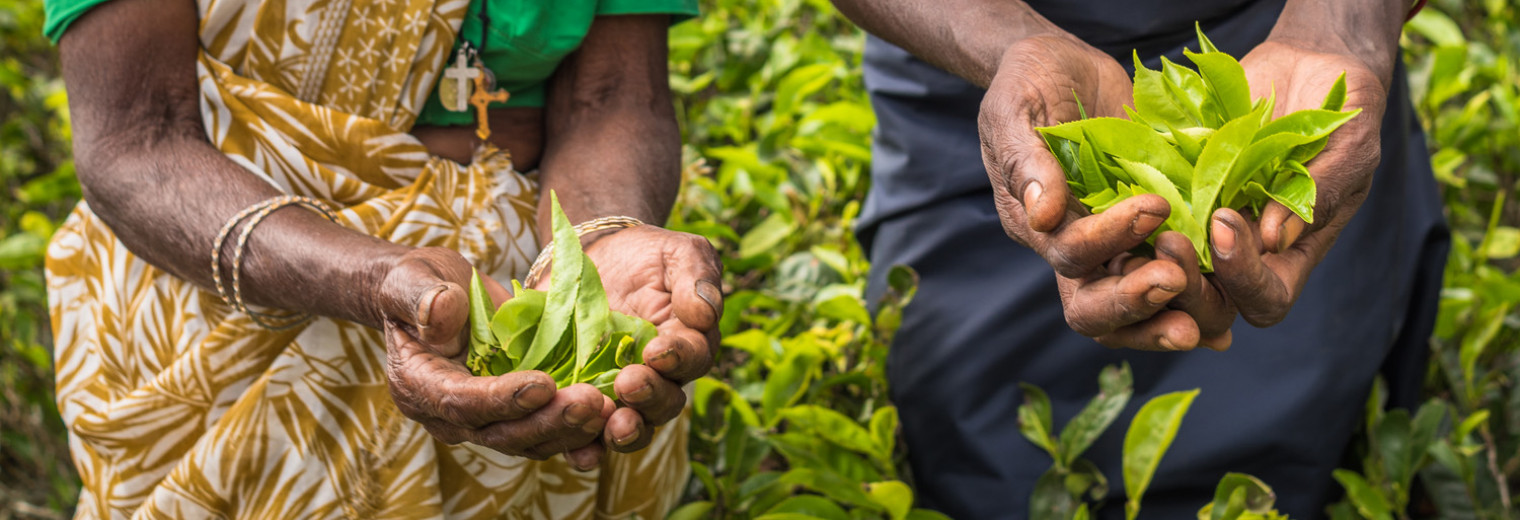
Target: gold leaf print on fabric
[{"x": 182, "y": 408}]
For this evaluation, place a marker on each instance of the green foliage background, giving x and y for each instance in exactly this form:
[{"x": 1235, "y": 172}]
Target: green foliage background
[{"x": 795, "y": 420}]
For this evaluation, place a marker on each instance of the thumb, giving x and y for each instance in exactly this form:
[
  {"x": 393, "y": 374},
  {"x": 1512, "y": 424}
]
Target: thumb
[{"x": 425, "y": 305}]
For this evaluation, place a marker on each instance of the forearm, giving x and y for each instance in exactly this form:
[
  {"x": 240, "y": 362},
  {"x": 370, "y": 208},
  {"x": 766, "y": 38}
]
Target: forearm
[
  {"x": 1367, "y": 30},
  {"x": 965, "y": 37},
  {"x": 167, "y": 201},
  {"x": 625, "y": 162},
  {"x": 612, "y": 146}
]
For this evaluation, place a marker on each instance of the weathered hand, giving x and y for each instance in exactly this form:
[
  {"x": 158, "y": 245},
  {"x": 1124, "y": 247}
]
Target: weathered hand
[
  {"x": 425, "y": 308},
  {"x": 672, "y": 280},
  {"x": 1263, "y": 267},
  {"x": 1121, "y": 301}
]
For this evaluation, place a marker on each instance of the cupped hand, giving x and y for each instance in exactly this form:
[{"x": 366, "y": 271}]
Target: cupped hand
[
  {"x": 425, "y": 309},
  {"x": 671, "y": 279},
  {"x": 1263, "y": 266},
  {"x": 1119, "y": 300}
]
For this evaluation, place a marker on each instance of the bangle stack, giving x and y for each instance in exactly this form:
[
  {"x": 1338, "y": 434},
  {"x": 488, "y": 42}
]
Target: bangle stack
[
  {"x": 255, "y": 214},
  {"x": 581, "y": 230}
]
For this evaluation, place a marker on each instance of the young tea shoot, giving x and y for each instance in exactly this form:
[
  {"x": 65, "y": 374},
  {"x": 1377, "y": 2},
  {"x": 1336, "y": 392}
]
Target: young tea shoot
[
  {"x": 1196, "y": 138},
  {"x": 569, "y": 332}
]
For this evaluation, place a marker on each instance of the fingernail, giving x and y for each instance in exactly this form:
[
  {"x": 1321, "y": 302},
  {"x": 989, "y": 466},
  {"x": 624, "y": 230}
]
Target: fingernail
[
  {"x": 1145, "y": 223},
  {"x": 638, "y": 396},
  {"x": 578, "y": 414},
  {"x": 1166, "y": 343},
  {"x": 424, "y": 304},
  {"x": 530, "y": 396},
  {"x": 1224, "y": 237},
  {"x": 579, "y": 463},
  {"x": 709, "y": 293},
  {"x": 1289, "y": 232},
  {"x": 627, "y": 439},
  {"x": 1159, "y": 295},
  {"x": 1032, "y": 193},
  {"x": 667, "y": 361}
]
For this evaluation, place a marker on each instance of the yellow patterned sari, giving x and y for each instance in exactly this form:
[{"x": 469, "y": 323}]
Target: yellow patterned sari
[{"x": 180, "y": 407}]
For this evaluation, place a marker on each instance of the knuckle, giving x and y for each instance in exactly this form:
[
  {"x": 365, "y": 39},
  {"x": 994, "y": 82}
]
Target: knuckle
[
  {"x": 1081, "y": 324},
  {"x": 444, "y": 434},
  {"x": 1063, "y": 262}
]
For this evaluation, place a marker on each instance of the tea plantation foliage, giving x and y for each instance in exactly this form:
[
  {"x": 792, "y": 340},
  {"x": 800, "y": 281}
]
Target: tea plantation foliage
[{"x": 795, "y": 421}]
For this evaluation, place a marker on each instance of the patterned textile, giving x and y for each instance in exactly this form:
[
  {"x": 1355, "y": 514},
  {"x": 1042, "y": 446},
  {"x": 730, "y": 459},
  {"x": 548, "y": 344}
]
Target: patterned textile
[{"x": 180, "y": 407}]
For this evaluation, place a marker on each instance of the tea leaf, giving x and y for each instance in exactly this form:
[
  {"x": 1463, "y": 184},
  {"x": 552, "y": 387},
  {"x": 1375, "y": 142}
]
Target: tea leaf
[
  {"x": 1203, "y": 41},
  {"x": 1153, "y": 103},
  {"x": 1336, "y": 98},
  {"x": 564, "y": 284},
  {"x": 481, "y": 339},
  {"x": 1150, "y": 434},
  {"x": 1186, "y": 87},
  {"x": 1294, "y": 188},
  {"x": 892, "y": 495},
  {"x": 1129, "y": 140},
  {"x": 884, "y": 423},
  {"x": 1181, "y": 217},
  {"x": 1035, "y": 421},
  {"x": 1368, "y": 501},
  {"x": 590, "y": 316},
  {"x": 1215, "y": 162},
  {"x": 1239, "y": 493},
  {"x": 831, "y": 426},
  {"x": 1099, "y": 413},
  {"x": 1226, "y": 80}
]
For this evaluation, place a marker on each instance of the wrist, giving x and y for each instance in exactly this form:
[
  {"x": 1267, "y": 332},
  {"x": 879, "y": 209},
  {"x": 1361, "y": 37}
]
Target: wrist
[
  {"x": 1366, "y": 31},
  {"x": 368, "y": 272}
]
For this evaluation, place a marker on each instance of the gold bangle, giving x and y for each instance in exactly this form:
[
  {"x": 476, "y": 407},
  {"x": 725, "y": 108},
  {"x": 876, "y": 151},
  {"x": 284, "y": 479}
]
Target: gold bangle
[
  {"x": 259, "y": 212},
  {"x": 590, "y": 226}
]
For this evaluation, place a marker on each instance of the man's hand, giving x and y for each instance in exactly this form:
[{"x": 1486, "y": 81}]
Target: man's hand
[
  {"x": 425, "y": 309},
  {"x": 1263, "y": 267},
  {"x": 670, "y": 279},
  {"x": 1121, "y": 301}
]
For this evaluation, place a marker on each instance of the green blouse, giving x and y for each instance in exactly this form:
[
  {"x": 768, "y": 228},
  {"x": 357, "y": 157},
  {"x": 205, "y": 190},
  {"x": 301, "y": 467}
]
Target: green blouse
[{"x": 526, "y": 41}]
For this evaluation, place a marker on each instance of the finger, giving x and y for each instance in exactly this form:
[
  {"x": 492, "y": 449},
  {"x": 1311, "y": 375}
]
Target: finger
[
  {"x": 426, "y": 385},
  {"x": 694, "y": 273},
  {"x": 498, "y": 293},
  {"x": 1218, "y": 343},
  {"x": 420, "y": 294},
  {"x": 1018, "y": 160},
  {"x": 571, "y": 420},
  {"x": 1260, "y": 294},
  {"x": 679, "y": 353},
  {"x": 627, "y": 431},
  {"x": 1280, "y": 227},
  {"x": 1100, "y": 306},
  {"x": 657, "y": 399},
  {"x": 1202, "y": 300},
  {"x": 1083, "y": 245},
  {"x": 1167, "y": 331},
  {"x": 586, "y": 458}
]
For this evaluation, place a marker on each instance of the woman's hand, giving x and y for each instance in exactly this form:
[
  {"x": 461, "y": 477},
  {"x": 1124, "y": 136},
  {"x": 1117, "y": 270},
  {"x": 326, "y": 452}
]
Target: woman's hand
[
  {"x": 670, "y": 279},
  {"x": 1119, "y": 300},
  {"x": 424, "y": 308}
]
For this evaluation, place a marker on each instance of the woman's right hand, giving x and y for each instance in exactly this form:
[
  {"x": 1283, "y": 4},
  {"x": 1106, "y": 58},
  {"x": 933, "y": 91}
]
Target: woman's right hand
[{"x": 424, "y": 309}]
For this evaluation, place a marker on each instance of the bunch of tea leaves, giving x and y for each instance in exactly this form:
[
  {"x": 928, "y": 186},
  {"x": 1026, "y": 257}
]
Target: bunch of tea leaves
[
  {"x": 569, "y": 332},
  {"x": 1196, "y": 138}
]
